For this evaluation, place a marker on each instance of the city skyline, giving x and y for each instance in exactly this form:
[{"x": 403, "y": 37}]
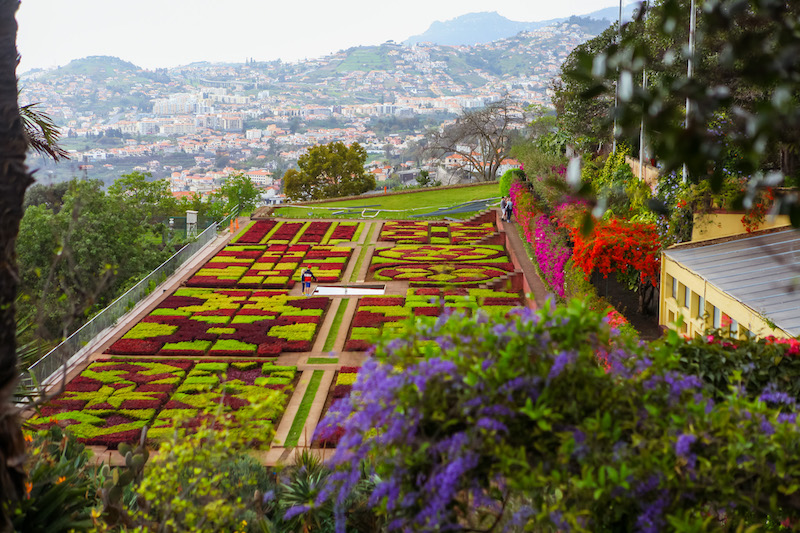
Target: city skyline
[{"x": 154, "y": 34}]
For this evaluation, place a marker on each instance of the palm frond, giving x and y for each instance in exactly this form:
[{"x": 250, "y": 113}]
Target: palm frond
[{"x": 42, "y": 132}]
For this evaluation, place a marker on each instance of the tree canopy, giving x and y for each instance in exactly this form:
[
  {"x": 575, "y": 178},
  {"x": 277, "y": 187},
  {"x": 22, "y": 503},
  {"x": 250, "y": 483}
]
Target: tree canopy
[
  {"x": 743, "y": 114},
  {"x": 238, "y": 189},
  {"x": 329, "y": 171},
  {"x": 480, "y": 139}
]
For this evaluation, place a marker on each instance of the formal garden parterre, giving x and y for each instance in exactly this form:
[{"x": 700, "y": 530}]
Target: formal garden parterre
[
  {"x": 222, "y": 322},
  {"x": 285, "y": 232},
  {"x": 275, "y": 266},
  {"x": 213, "y": 341},
  {"x": 412, "y": 232},
  {"x": 389, "y": 315},
  {"x": 430, "y": 264},
  {"x": 113, "y": 399}
]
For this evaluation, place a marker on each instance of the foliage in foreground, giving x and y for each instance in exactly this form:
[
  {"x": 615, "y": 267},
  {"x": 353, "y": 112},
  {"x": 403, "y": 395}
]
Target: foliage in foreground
[{"x": 516, "y": 425}]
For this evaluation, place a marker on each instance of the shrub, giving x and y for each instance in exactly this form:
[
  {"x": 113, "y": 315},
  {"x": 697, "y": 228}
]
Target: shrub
[{"x": 459, "y": 436}]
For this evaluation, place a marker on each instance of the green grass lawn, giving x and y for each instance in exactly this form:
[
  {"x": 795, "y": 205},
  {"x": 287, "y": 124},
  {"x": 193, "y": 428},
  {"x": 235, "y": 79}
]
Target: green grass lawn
[{"x": 400, "y": 205}]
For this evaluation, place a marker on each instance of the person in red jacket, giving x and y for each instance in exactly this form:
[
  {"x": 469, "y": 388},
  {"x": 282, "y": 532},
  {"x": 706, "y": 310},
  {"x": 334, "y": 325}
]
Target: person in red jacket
[{"x": 305, "y": 279}]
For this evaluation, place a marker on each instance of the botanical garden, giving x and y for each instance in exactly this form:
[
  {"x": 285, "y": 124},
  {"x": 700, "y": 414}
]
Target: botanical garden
[{"x": 449, "y": 373}]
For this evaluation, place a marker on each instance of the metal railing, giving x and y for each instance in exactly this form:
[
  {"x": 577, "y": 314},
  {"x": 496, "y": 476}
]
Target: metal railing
[{"x": 51, "y": 362}]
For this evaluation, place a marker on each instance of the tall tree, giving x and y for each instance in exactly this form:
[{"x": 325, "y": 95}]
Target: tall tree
[
  {"x": 14, "y": 180},
  {"x": 479, "y": 139},
  {"x": 329, "y": 171},
  {"x": 743, "y": 117},
  {"x": 238, "y": 189}
]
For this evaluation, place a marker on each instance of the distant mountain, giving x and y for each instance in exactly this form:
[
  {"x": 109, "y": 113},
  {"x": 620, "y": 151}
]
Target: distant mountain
[
  {"x": 473, "y": 28},
  {"x": 486, "y": 27}
]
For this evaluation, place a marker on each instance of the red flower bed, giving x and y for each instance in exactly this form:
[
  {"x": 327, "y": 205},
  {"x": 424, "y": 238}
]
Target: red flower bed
[
  {"x": 246, "y": 254},
  {"x": 367, "y": 319},
  {"x": 341, "y": 391},
  {"x": 210, "y": 282},
  {"x": 344, "y": 233},
  {"x": 270, "y": 349},
  {"x": 134, "y": 347},
  {"x": 173, "y": 302},
  {"x": 256, "y": 232},
  {"x": 287, "y": 231},
  {"x": 297, "y": 346},
  {"x": 501, "y": 301},
  {"x": 353, "y": 345},
  {"x": 427, "y": 311},
  {"x": 315, "y": 232},
  {"x": 382, "y": 301}
]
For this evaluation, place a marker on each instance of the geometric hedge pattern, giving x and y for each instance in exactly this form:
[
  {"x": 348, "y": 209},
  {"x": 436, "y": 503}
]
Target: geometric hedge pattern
[
  {"x": 225, "y": 322},
  {"x": 113, "y": 399}
]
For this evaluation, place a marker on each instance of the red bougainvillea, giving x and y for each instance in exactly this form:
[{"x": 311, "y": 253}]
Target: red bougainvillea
[{"x": 619, "y": 246}]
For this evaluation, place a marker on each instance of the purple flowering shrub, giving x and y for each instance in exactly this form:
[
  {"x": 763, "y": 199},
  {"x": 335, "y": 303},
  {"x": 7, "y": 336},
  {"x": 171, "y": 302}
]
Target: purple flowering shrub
[{"x": 504, "y": 425}]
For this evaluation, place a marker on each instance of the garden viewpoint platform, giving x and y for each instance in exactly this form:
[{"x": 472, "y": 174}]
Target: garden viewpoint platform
[{"x": 235, "y": 312}]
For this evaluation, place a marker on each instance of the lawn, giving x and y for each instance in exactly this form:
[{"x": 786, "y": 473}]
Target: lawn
[{"x": 399, "y": 206}]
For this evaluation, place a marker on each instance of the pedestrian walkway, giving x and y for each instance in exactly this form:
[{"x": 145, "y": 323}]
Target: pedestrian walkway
[{"x": 516, "y": 249}]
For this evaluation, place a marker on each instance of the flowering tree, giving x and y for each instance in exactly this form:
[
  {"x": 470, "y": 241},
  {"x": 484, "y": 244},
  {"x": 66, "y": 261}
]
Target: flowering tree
[{"x": 468, "y": 424}]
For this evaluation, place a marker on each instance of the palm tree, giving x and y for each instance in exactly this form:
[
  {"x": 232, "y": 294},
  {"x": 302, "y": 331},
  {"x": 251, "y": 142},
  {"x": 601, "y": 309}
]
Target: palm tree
[{"x": 14, "y": 180}]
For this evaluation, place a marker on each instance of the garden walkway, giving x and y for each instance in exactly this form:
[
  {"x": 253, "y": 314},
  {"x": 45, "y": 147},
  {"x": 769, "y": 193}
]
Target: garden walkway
[{"x": 516, "y": 249}]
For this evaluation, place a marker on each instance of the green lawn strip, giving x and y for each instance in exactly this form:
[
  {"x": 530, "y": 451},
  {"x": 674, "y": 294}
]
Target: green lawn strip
[
  {"x": 305, "y": 407},
  {"x": 299, "y": 233},
  {"x": 337, "y": 322},
  {"x": 403, "y": 203},
  {"x": 241, "y": 233},
  {"x": 364, "y": 247},
  {"x": 322, "y": 360}
]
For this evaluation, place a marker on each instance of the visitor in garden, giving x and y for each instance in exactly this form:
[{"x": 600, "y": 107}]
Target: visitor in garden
[
  {"x": 509, "y": 209},
  {"x": 305, "y": 279},
  {"x": 503, "y": 209}
]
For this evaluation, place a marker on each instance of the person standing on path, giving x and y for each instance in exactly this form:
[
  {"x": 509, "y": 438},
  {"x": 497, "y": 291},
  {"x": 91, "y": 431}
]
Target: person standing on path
[
  {"x": 305, "y": 279},
  {"x": 509, "y": 210},
  {"x": 503, "y": 209}
]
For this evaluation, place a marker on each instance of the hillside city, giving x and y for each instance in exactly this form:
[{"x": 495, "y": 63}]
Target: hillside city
[{"x": 198, "y": 123}]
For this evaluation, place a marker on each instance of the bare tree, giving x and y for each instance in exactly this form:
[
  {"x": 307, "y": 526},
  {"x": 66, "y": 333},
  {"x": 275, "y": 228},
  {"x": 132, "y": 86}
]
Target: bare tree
[
  {"x": 478, "y": 141},
  {"x": 14, "y": 180}
]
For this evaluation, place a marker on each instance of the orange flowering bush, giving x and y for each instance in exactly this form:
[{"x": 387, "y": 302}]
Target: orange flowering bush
[{"x": 618, "y": 246}]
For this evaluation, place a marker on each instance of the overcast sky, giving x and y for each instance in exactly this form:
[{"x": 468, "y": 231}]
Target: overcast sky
[{"x": 166, "y": 33}]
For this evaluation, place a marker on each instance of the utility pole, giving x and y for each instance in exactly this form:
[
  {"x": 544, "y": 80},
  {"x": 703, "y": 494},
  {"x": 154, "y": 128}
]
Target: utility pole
[
  {"x": 641, "y": 130},
  {"x": 616, "y": 87},
  {"x": 689, "y": 72}
]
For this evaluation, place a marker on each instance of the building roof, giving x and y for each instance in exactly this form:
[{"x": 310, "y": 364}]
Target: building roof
[{"x": 761, "y": 271}]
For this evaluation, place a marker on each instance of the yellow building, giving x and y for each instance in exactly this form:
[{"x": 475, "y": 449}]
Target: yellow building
[{"x": 747, "y": 284}]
